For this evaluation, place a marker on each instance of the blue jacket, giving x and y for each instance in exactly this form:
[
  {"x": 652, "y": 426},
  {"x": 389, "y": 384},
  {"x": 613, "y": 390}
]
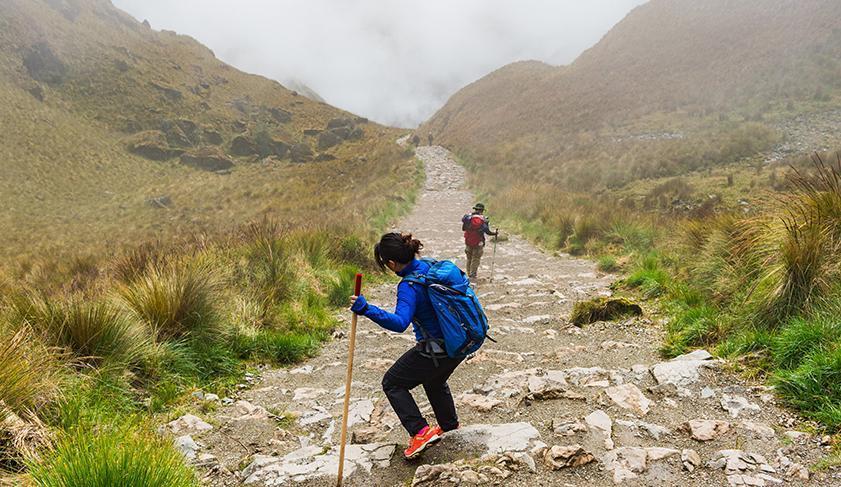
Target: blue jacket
[{"x": 412, "y": 304}]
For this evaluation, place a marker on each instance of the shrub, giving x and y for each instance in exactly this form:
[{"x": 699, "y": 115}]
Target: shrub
[
  {"x": 109, "y": 456},
  {"x": 177, "y": 301}
]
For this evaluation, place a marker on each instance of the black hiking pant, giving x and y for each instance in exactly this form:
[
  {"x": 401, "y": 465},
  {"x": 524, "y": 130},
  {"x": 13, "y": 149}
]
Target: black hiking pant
[{"x": 411, "y": 370}]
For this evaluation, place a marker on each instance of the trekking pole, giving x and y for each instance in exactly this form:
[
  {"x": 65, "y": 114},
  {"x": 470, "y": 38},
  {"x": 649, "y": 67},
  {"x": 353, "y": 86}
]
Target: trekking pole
[
  {"x": 357, "y": 290},
  {"x": 493, "y": 255}
]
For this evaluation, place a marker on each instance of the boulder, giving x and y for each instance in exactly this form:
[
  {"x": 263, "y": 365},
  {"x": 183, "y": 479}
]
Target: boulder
[
  {"x": 280, "y": 115},
  {"x": 278, "y": 148},
  {"x": 559, "y": 457},
  {"x": 301, "y": 153},
  {"x": 43, "y": 65},
  {"x": 151, "y": 144},
  {"x": 208, "y": 159},
  {"x": 37, "y": 92},
  {"x": 341, "y": 132},
  {"x": 339, "y": 122},
  {"x": 170, "y": 93},
  {"x": 356, "y": 134},
  {"x": 243, "y": 146},
  {"x": 324, "y": 157},
  {"x": 327, "y": 140},
  {"x": 211, "y": 137}
]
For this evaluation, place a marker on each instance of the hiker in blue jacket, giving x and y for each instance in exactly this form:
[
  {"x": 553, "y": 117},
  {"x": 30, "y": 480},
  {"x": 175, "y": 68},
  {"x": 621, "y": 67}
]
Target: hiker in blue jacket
[{"x": 426, "y": 363}]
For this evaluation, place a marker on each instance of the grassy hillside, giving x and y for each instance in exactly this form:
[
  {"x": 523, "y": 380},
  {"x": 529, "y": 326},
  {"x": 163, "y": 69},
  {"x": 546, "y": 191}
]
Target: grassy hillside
[
  {"x": 134, "y": 167},
  {"x": 675, "y": 88},
  {"x": 677, "y": 150},
  {"x": 114, "y": 132}
]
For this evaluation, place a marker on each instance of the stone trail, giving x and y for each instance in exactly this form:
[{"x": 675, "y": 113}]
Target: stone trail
[{"x": 549, "y": 405}]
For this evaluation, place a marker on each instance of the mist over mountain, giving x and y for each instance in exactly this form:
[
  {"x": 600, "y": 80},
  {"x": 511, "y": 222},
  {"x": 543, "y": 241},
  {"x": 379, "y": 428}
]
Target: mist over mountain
[{"x": 396, "y": 61}]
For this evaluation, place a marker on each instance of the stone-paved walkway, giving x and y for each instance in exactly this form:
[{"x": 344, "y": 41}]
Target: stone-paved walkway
[{"x": 549, "y": 404}]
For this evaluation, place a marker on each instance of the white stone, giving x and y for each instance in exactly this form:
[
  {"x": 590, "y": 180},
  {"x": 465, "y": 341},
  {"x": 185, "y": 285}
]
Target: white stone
[
  {"x": 479, "y": 402},
  {"x": 567, "y": 428},
  {"x": 307, "y": 393},
  {"x": 690, "y": 459},
  {"x": 244, "y": 410},
  {"x": 311, "y": 462},
  {"x": 188, "y": 424},
  {"x": 497, "y": 438},
  {"x": 614, "y": 345},
  {"x": 602, "y": 425},
  {"x": 211, "y": 398},
  {"x": 360, "y": 412},
  {"x": 625, "y": 463},
  {"x": 559, "y": 457},
  {"x": 758, "y": 430},
  {"x": 683, "y": 371},
  {"x": 628, "y": 396},
  {"x": 187, "y": 446},
  {"x": 305, "y": 370},
  {"x": 532, "y": 320},
  {"x": 316, "y": 416},
  {"x": 707, "y": 392},
  {"x": 736, "y": 404},
  {"x": 706, "y": 429}
]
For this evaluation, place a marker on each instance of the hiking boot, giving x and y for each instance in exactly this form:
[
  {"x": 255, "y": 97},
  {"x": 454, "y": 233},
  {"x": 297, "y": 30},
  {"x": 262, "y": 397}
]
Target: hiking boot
[
  {"x": 421, "y": 441},
  {"x": 440, "y": 431}
]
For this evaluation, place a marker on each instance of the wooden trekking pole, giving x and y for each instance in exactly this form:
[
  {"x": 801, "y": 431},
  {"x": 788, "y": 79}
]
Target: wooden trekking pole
[
  {"x": 357, "y": 290},
  {"x": 493, "y": 255}
]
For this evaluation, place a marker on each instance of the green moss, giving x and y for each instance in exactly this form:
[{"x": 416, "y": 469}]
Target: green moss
[{"x": 603, "y": 309}]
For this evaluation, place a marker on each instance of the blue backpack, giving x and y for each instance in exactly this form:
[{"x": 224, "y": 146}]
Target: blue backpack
[{"x": 463, "y": 322}]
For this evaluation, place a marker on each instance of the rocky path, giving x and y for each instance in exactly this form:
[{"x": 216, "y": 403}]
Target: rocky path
[{"x": 550, "y": 404}]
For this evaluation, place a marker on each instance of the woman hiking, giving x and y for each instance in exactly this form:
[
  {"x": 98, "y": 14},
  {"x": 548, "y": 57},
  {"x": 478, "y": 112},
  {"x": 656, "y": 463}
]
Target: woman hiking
[{"x": 426, "y": 363}]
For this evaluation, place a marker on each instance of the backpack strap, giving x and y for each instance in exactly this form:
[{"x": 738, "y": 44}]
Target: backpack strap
[{"x": 426, "y": 343}]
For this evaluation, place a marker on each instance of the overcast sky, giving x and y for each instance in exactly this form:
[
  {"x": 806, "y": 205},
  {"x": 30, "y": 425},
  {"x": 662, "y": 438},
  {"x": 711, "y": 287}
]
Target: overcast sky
[{"x": 394, "y": 61}]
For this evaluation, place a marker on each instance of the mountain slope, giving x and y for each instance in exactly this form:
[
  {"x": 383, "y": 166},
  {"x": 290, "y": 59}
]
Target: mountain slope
[
  {"x": 113, "y": 131},
  {"x": 676, "y": 86}
]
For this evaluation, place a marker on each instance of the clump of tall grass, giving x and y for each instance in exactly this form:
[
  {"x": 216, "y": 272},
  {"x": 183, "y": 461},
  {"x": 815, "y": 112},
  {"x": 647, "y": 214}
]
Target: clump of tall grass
[
  {"x": 178, "y": 300},
  {"x": 28, "y": 373},
  {"x": 93, "y": 332},
  {"x": 109, "y": 456},
  {"x": 268, "y": 271}
]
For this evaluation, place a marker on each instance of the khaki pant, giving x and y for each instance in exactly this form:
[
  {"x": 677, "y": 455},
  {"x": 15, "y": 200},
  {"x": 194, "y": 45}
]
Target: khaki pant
[{"x": 474, "y": 257}]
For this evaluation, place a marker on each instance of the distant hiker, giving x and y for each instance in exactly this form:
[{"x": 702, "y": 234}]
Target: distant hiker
[
  {"x": 415, "y": 140},
  {"x": 449, "y": 324},
  {"x": 429, "y": 138},
  {"x": 475, "y": 225}
]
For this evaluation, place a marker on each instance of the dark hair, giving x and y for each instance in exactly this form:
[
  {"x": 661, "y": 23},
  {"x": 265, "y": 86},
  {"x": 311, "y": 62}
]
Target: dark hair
[{"x": 399, "y": 247}]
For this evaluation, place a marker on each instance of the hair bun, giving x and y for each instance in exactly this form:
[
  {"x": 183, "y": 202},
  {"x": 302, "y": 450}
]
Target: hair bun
[{"x": 412, "y": 243}]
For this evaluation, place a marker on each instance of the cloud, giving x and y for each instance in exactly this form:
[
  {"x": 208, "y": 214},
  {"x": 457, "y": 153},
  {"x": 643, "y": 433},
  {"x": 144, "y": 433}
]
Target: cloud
[{"x": 394, "y": 61}]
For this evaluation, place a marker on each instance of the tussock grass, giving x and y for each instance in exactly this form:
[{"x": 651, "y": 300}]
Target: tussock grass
[
  {"x": 93, "y": 332},
  {"x": 28, "y": 373},
  {"x": 113, "y": 455},
  {"x": 177, "y": 301}
]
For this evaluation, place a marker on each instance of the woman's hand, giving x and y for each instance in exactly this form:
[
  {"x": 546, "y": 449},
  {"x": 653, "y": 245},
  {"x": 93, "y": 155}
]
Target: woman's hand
[{"x": 358, "y": 304}]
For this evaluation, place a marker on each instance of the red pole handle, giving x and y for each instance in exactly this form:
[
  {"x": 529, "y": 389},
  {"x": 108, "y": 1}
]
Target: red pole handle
[{"x": 357, "y": 288}]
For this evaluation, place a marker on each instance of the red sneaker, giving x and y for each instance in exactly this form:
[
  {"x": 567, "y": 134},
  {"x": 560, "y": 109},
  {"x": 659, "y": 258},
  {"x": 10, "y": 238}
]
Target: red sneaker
[{"x": 421, "y": 441}]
